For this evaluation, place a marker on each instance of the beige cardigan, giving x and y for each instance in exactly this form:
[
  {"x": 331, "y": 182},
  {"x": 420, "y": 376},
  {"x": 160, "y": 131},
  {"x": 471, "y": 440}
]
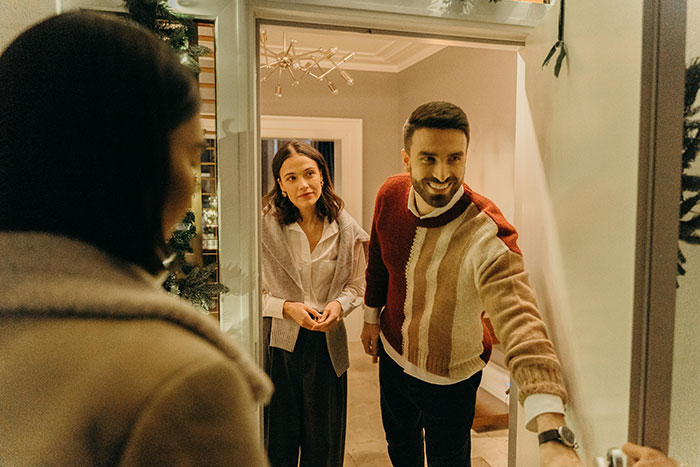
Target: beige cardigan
[{"x": 99, "y": 366}]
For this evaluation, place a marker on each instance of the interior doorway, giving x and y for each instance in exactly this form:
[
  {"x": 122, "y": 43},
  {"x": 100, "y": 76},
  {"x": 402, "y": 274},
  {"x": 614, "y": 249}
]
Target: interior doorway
[{"x": 390, "y": 76}]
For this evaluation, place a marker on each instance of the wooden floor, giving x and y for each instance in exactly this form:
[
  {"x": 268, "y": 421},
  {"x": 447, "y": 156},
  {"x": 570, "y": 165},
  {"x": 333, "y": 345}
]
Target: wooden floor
[{"x": 365, "y": 445}]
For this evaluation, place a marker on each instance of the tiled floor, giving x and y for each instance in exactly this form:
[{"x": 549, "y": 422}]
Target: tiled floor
[{"x": 365, "y": 445}]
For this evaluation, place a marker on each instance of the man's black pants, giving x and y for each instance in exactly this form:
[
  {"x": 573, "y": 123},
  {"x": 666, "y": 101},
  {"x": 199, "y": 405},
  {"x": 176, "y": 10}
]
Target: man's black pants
[
  {"x": 411, "y": 407},
  {"x": 306, "y": 418}
]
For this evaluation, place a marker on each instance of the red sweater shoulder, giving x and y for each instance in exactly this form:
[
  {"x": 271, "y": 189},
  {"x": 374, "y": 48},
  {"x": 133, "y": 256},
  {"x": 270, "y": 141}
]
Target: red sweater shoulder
[
  {"x": 395, "y": 186},
  {"x": 506, "y": 232}
]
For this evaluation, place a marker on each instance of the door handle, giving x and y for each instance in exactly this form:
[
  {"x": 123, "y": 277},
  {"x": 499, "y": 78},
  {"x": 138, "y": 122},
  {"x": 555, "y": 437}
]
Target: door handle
[{"x": 614, "y": 458}]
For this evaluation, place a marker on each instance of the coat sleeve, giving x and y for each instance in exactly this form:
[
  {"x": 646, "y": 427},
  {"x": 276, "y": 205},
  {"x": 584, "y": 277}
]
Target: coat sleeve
[{"x": 204, "y": 414}]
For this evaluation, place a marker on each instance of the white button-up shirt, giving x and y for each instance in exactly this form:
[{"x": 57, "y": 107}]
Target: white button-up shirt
[{"x": 316, "y": 269}]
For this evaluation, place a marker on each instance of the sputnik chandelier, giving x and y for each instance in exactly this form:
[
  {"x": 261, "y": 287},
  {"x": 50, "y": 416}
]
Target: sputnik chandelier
[{"x": 298, "y": 66}]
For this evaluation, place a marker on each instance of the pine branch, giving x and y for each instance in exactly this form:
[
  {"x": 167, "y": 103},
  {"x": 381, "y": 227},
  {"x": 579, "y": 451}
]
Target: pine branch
[
  {"x": 690, "y": 182},
  {"x": 689, "y": 203}
]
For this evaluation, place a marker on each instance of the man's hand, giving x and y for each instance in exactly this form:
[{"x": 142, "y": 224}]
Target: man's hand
[
  {"x": 553, "y": 453},
  {"x": 370, "y": 339},
  {"x": 640, "y": 456},
  {"x": 329, "y": 318},
  {"x": 301, "y": 313}
]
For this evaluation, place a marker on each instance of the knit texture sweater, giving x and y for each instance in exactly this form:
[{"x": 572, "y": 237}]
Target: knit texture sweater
[{"x": 433, "y": 277}]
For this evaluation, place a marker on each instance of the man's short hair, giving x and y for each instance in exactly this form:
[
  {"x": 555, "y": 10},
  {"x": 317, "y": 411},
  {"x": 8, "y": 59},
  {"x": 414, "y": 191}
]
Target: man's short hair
[{"x": 437, "y": 114}]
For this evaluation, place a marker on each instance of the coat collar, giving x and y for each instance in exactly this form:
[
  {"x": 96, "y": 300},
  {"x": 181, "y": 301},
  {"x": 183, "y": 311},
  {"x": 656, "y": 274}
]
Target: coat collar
[{"x": 45, "y": 275}]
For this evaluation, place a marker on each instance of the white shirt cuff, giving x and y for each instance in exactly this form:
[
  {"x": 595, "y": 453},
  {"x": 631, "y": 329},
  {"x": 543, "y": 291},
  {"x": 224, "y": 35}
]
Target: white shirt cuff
[
  {"x": 345, "y": 304},
  {"x": 371, "y": 315},
  {"x": 537, "y": 404},
  {"x": 274, "y": 307}
]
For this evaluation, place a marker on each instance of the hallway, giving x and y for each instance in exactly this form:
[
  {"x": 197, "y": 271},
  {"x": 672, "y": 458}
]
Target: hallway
[{"x": 365, "y": 445}]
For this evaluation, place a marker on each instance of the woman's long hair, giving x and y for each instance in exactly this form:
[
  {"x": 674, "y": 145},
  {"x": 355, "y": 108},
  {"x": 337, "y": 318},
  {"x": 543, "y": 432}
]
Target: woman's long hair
[
  {"x": 87, "y": 104},
  {"x": 328, "y": 205}
]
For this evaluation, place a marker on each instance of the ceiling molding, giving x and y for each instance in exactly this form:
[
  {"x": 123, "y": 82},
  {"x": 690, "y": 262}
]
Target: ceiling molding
[{"x": 372, "y": 53}]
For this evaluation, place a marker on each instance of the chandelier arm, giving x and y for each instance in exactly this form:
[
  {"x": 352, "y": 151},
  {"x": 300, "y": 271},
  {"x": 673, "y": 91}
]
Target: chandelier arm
[
  {"x": 268, "y": 75},
  {"x": 294, "y": 80},
  {"x": 309, "y": 53}
]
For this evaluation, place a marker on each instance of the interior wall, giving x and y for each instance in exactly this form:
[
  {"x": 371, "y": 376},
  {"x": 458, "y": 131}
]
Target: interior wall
[
  {"x": 482, "y": 82},
  {"x": 374, "y": 98},
  {"x": 18, "y": 15},
  {"x": 576, "y": 196},
  {"x": 685, "y": 412}
]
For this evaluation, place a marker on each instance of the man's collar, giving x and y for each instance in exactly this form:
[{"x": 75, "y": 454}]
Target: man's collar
[{"x": 437, "y": 211}]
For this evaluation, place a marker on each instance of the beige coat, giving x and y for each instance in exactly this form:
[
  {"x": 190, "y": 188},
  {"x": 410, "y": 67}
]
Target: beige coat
[{"x": 99, "y": 366}]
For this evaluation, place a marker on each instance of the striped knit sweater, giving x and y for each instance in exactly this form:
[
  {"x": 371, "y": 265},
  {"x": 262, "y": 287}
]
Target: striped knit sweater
[{"x": 433, "y": 277}]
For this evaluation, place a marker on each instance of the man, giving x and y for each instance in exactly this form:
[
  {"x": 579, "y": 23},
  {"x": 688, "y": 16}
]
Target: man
[{"x": 439, "y": 254}]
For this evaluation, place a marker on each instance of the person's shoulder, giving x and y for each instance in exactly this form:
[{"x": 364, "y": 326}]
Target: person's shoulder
[
  {"x": 396, "y": 185},
  {"x": 168, "y": 344},
  {"x": 347, "y": 222},
  {"x": 505, "y": 231}
]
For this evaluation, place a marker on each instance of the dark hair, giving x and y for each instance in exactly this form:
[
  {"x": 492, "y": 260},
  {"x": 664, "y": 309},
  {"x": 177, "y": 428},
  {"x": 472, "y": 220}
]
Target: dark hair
[
  {"x": 436, "y": 114},
  {"x": 328, "y": 205},
  {"x": 87, "y": 104}
]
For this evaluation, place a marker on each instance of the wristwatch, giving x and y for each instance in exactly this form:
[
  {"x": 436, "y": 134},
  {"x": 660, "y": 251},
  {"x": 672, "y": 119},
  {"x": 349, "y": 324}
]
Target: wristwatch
[{"x": 562, "y": 434}]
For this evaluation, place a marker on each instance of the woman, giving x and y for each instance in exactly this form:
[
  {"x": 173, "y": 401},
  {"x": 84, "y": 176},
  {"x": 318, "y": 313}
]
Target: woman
[
  {"x": 99, "y": 132},
  {"x": 313, "y": 275}
]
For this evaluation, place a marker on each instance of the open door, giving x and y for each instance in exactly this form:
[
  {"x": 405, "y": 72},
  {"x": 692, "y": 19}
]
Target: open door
[{"x": 595, "y": 181}]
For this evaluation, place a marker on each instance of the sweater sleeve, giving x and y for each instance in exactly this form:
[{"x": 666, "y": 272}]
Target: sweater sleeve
[
  {"x": 377, "y": 275},
  {"x": 506, "y": 294}
]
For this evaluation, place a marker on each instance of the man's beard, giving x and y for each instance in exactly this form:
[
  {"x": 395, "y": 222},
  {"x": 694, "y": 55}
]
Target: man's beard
[{"x": 435, "y": 200}]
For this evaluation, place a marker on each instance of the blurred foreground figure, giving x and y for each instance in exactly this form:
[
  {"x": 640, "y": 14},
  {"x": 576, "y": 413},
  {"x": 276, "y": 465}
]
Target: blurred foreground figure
[{"x": 99, "y": 132}]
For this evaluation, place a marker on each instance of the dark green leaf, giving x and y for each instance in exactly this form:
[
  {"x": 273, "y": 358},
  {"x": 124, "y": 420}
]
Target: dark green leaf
[
  {"x": 560, "y": 59},
  {"x": 551, "y": 53}
]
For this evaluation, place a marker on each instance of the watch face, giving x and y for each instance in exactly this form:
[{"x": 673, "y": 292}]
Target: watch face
[{"x": 567, "y": 436}]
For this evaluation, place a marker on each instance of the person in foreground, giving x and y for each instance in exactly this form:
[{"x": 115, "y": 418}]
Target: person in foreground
[
  {"x": 313, "y": 263},
  {"x": 439, "y": 254},
  {"x": 642, "y": 456},
  {"x": 99, "y": 133}
]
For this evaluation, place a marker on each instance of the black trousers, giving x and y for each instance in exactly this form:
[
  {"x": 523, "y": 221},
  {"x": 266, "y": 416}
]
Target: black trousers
[
  {"x": 411, "y": 407},
  {"x": 306, "y": 418}
]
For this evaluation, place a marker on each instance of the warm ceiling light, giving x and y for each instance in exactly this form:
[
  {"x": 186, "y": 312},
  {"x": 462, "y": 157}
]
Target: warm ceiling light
[{"x": 309, "y": 63}]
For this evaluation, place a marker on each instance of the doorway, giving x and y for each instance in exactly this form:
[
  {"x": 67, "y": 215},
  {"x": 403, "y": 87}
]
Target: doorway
[{"x": 390, "y": 76}]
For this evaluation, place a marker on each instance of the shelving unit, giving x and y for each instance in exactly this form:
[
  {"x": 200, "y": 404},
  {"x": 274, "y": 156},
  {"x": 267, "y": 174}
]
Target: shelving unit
[{"x": 209, "y": 169}]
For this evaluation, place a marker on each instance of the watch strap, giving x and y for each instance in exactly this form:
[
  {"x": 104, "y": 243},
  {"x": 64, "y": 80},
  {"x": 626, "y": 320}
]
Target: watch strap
[{"x": 549, "y": 435}]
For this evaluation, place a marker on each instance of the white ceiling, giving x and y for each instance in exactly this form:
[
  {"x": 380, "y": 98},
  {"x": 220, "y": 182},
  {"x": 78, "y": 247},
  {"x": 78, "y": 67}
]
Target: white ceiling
[{"x": 372, "y": 52}]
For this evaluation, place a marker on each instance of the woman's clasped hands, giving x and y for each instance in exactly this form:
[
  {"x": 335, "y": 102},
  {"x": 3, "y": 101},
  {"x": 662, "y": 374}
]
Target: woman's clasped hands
[{"x": 311, "y": 319}]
